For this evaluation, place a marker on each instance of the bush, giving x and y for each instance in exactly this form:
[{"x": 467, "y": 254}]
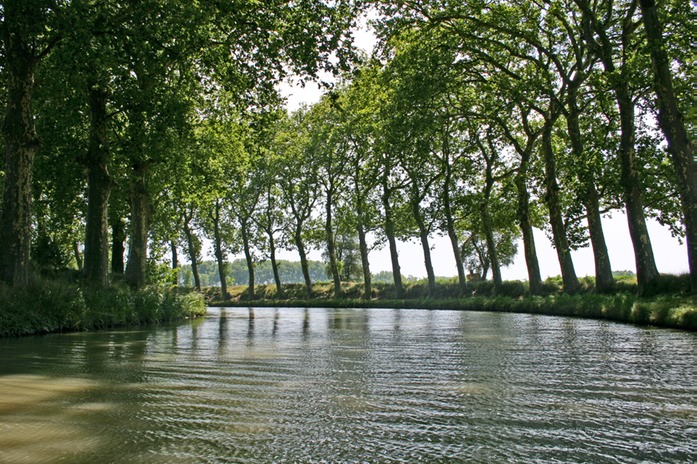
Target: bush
[{"x": 55, "y": 306}]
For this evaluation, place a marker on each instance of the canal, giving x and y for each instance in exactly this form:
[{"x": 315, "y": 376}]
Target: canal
[{"x": 300, "y": 385}]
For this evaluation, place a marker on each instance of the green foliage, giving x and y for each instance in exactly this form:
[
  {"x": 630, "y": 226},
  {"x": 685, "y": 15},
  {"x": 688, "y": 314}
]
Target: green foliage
[{"x": 57, "y": 306}]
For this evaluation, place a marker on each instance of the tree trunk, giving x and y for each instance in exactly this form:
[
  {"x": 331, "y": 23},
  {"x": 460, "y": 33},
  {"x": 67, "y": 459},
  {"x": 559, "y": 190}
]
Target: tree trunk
[
  {"x": 98, "y": 192},
  {"x": 425, "y": 245},
  {"x": 118, "y": 237},
  {"x": 647, "y": 273},
  {"x": 193, "y": 251},
  {"x": 331, "y": 248},
  {"x": 603, "y": 271},
  {"x": 140, "y": 227},
  {"x": 303, "y": 259},
  {"x": 452, "y": 234},
  {"x": 365, "y": 263},
  {"x": 556, "y": 219},
  {"x": 274, "y": 263},
  {"x": 392, "y": 241},
  {"x": 672, "y": 123},
  {"x": 175, "y": 261},
  {"x": 492, "y": 252},
  {"x": 604, "y": 281},
  {"x": 244, "y": 230},
  {"x": 21, "y": 143},
  {"x": 77, "y": 254},
  {"x": 218, "y": 250}
]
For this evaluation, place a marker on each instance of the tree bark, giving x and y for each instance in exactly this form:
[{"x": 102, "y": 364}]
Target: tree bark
[
  {"x": 98, "y": 192},
  {"x": 331, "y": 248},
  {"x": 556, "y": 219},
  {"x": 118, "y": 237},
  {"x": 486, "y": 222},
  {"x": 647, "y": 273},
  {"x": 452, "y": 234},
  {"x": 136, "y": 268},
  {"x": 603, "y": 270},
  {"x": 193, "y": 249},
  {"x": 274, "y": 263},
  {"x": 21, "y": 144},
  {"x": 672, "y": 123},
  {"x": 77, "y": 254},
  {"x": 425, "y": 245},
  {"x": 303, "y": 259},
  {"x": 392, "y": 241},
  {"x": 365, "y": 263},
  {"x": 249, "y": 259},
  {"x": 175, "y": 261},
  {"x": 218, "y": 250}
]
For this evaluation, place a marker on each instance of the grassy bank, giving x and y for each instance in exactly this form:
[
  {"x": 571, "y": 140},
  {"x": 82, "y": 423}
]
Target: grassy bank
[
  {"x": 59, "y": 306},
  {"x": 668, "y": 308}
]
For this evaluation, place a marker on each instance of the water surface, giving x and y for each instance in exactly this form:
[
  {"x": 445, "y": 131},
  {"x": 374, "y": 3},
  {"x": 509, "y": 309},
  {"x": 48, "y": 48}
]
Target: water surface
[{"x": 371, "y": 385}]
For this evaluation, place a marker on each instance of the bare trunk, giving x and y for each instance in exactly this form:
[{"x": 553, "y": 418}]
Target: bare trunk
[
  {"x": 244, "y": 229},
  {"x": 392, "y": 241},
  {"x": 21, "y": 143},
  {"x": 603, "y": 271},
  {"x": 331, "y": 248},
  {"x": 140, "y": 227},
  {"x": 452, "y": 234},
  {"x": 274, "y": 263},
  {"x": 77, "y": 254},
  {"x": 175, "y": 261},
  {"x": 365, "y": 264},
  {"x": 672, "y": 123},
  {"x": 218, "y": 250},
  {"x": 98, "y": 192},
  {"x": 425, "y": 245},
  {"x": 556, "y": 219},
  {"x": 118, "y": 237},
  {"x": 303, "y": 260},
  {"x": 193, "y": 249}
]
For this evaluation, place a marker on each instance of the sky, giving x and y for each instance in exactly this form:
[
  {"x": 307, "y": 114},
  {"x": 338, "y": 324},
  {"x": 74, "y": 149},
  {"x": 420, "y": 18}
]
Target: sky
[{"x": 670, "y": 254}]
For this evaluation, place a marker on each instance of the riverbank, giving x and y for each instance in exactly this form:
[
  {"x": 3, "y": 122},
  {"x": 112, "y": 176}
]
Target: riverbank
[
  {"x": 671, "y": 310},
  {"x": 58, "y": 306}
]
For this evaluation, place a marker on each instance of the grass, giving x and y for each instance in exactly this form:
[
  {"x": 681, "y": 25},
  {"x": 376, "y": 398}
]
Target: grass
[
  {"x": 60, "y": 306},
  {"x": 670, "y": 305}
]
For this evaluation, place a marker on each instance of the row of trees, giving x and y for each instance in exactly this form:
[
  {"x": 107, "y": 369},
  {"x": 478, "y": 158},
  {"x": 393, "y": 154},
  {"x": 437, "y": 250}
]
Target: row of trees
[{"x": 477, "y": 121}]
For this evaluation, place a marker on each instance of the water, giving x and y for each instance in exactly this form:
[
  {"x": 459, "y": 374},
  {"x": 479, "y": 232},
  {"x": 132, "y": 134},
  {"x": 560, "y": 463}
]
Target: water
[{"x": 350, "y": 386}]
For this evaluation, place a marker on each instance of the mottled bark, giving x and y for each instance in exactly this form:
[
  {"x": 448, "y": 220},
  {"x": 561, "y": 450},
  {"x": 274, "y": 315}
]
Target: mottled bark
[
  {"x": 21, "y": 143},
  {"x": 561, "y": 244},
  {"x": 98, "y": 191},
  {"x": 136, "y": 268},
  {"x": 672, "y": 123}
]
